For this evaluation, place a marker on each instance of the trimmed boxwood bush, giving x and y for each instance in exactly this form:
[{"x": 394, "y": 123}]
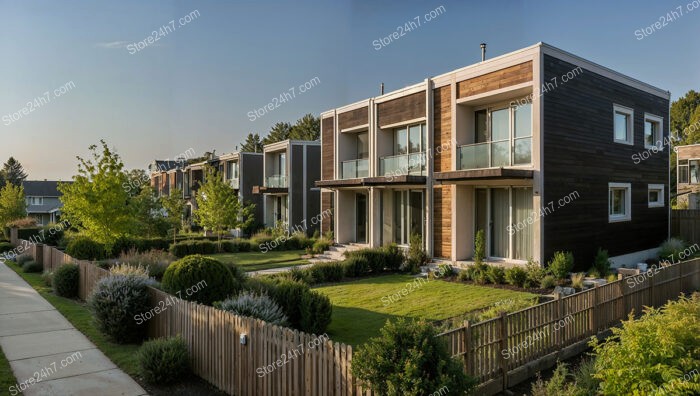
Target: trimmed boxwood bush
[
  {"x": 356, "y": 266},
  {"x": 32, "y": 266},
  {"x": 66, "y": 280},
  {"x": 259, "y": 306},
  {"x": 220, "y": 280},
  {"x": 235, "y": 246},
  {"x": 117, "y": 301},
  {"x": 84, "y": 248},
  {"x": 125, "y": 244},
  {"x": 164, "y": 361},
  {"x": 316, "y": 310},
  {"x": 187, "y": 248},
  {"x": 326, "y": 272},
  {"x": 288, "y": 295}
]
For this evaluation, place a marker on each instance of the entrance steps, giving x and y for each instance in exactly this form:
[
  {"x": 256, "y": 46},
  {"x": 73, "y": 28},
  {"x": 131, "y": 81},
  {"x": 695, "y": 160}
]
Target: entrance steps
[{"x": 336, "y": 252}]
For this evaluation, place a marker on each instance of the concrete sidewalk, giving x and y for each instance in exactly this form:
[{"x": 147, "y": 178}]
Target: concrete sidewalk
[{"x": 42, "y": 345}]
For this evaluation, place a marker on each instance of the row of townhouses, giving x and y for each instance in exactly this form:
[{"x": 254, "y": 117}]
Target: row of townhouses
[{"x": 538, "y": 148}]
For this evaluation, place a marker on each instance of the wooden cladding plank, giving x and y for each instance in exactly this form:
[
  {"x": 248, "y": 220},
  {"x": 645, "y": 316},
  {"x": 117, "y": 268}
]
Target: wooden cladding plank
[
  {"x": 353, "y": 118},
  {"x": 442, "y": 129},
  {"x": 326, "y": 205},
  {"x": 503, "y": 78},
  {"x": 327, "y": 145},
  {"x": 402, "y": 109},
  {"x": 442, "y": 228}
]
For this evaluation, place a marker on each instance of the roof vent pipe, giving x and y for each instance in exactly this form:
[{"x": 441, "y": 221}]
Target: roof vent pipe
[
  {"x": 483, "y": 52},
  {"x": 381, "y": 89}
]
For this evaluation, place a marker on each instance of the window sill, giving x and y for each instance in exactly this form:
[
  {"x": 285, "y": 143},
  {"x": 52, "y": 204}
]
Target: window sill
[
  {"x": 624, "y": 142},
  {"x": 619, "y": 219},
  {"x": 656, "y": 205}
]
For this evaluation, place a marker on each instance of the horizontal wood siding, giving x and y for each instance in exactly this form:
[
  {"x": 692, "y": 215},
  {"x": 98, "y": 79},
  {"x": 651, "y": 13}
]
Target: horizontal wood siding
[
  {"x": 579, "y": 155},
  {"x": 688, "y": 152},
  {"x": 507, "y": 77},
  {"x": 442, "y": 229},
  {"x": 353, "y": 118},
  {"x": 326, "y": 211},
  {"x": 327, "y": 154},
  {"x": 402, "y": 109},
  {"x": 442, "y": 129}
]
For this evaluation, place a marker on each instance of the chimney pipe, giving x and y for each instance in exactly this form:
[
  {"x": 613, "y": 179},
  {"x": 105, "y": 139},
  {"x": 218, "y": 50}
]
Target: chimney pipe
[
  {"x": 381, "y": 89},
  {"x": 483, "y": 52}
]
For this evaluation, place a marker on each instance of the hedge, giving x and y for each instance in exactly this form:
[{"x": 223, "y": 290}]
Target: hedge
[{"x": 26, "y": 233}]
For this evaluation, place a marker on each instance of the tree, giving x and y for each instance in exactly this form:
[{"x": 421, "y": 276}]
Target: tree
[
  {"x": 12, "y": 203},
  {"x": 252, "y": 144},
  {"x": 174, "y": 207},
  {"x": 149, "y": 213},
  {"x": 13, "y": 172},
  {"x": 218, "y": 207},
  {"x": 307, "y": 128},
  {"x": 278, "y": 133},
  {"x": 681, "y": 112},
  {"x": 96, "y": 203},
  {"x": 137, "y": 180}
]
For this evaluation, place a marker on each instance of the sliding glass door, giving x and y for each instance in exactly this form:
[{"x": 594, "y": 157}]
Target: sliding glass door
[
  {"x": 408, "y": 215},
  {"x": 500, "y": 216},
  {"x": 497, "y": 211}
]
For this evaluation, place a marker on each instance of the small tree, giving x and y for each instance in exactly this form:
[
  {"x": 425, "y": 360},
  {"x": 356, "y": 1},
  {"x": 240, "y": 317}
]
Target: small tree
[
  {"x": 174, "y": 207},
  {"x": 149, "y": 212},
  {"x": 479, "y": 247},
  {"x": 408, "y": 359},
  {"x": 218, "y": 207},
  {"x": 12, "y": 203}
]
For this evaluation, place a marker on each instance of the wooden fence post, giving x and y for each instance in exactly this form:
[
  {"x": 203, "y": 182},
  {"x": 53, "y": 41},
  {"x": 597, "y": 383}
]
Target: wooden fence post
[
  {"x": 560, "y": 315},
  {"x": 596, "y": 304},
  {"x": 652, "y": 296},
  {"x": 466, "y": 346},
  {"x": 504, "y": 346}
]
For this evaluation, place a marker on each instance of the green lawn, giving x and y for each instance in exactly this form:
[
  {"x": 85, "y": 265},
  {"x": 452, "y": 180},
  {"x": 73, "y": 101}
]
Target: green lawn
[
  {"x": 79, "y": 315},
  {"x": 7, "y": 379},
  {"x": 254, "y": 261},
  {"x": 359, "y": 310}
]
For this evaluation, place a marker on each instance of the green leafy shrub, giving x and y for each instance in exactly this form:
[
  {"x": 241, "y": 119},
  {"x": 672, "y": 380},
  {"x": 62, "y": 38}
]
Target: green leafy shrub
[
  {"x": 601, "y": 263},
  {"x": 5, "y": 247},
  {"x": 374, "y": 257},
  {"x": 32, "y": 266},
  {"x": 187, "y": 248},
  {"x": 29, "y": 233},
  {"x": 66, "y": 280},
  {"x": 52, "y": 234},
  {"x": 300, "y": 240},
  {"x": 548, "y": 282},
  {"x": 316, "y": 310},
  {"x": 258, "y": 306},
  {"x": 516, "y": 276},
  {"x": 443, "y": 271},
  {"x": 408, "y": 359},
  {"x": 535, "y": 273},
  {"x": 23, "y": 259},
  {"x": 463, "y": 276},
  {"x": 117, "y": 301},
  {"x": 84, "y": 248},
  {"x": 393, "y": 257},
  {"x": 561, "y": 264},
  {"x": 164, "y": 361},
  {"x": 496, "y": 275},
  {"x": 219, "y": 280},
  {"x": 559, "y": 385},
  {"x": 479, "y": 247},
  {"x": 355, "y": 266},
  {"x": 326, "y": 272},
  {"x": 577, "y": 280},
  {"x": 671, "y": 249},
  {"x": 654, "y": 351},
  {"x": 304, "y": 275},
  {"x": 416, "y": 256},
  {"x": 235, "y": 246},
  {"x": 47, "y": 277},
  {"x": 478, "y": 273},
  {"x": 288, "y": 295}
]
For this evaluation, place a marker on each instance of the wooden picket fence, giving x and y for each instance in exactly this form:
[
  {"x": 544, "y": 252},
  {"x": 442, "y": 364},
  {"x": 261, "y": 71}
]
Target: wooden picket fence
[
  {"x": 504, "y": 351},
  {"x": 499, "y": 352},
  {"x": 273, "y": 360},
  {"x": 685, "y": 224}
]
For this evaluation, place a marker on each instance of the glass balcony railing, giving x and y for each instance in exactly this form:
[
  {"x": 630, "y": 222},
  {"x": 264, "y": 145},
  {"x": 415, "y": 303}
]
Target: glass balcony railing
[
  {"x": 495, "y": 154},
  {"x": 354, "y": 168},
  {"x": 403, "y": 164},
  {"x": 276, "y": 181}
]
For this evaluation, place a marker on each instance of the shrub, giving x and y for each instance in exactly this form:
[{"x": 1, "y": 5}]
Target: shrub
[
  {"x": 670, "y": 249},
  {"x": 303, "y": 275},
  {"x": 164, "y": 361},
  {"x": 326, "y": 272},
  {"x": 288, "y": 295},
  {"x": 463, "y": 276},
  {"x": 258, "y": 306},
  {"x": 477, "y": 272},
  {"x": 535, "y": 273},
  {"x": 496, "y": 274},
  {"x": 53, "y": 233},
  {"x": 5, "y": 247},
  {"x": 321, "y": 245},
  {"x": 187, "y": 248},
  {"x": 355, "y": 266},
  {"x": 516, "y": 276},
  {"x": 300, "y": 240},
  {"x": 26, "y": 222},
  {"x": 155, "y": 261},
  {"x": 23, "y": 259},
  {"x": 654, "y": 351},
  {"x": 408, "y": 359},
  {"x": 548, "y": 282},
  {"x": 32, "y": 266},
  {"x": 562, "y": 263},
  {"x": 393, "y": 257},
  {"x": 130, "y": 270},
  {"x": 29, "y": 233},
  {"x": 577, "y": 280},
  {"x": 219, "y": 281},
  {"x": 479, "y": 247},
  {"x": 443, "y": 271},
  {"x": 66, "y": 280},
  {"x": 117, "y": 301},
  {"x": 601, "y": 262},
  {"x": 47, "y": 277},
  {"x": 558, "y": 385},
  {"x": 611, "y": 278},
  {"x": 316, "y": 310},
  {"x": 416, "y": 256},
  {"x": 84, "y": 248}
]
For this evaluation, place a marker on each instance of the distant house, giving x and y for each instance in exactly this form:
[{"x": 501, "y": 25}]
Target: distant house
[{"x": 43, "y": 200}]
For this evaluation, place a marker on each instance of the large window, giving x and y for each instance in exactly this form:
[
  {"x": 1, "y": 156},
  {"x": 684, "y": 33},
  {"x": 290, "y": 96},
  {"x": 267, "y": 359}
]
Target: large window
[
  {"x": 683, "y": 171},
  {"x": 408, "y": 215},
  {"x": 35, "y": 200},
  {"x": 623, "y": 124},
  {"x": 409, "y": 140},
  {"x": 232, "y": 170},
  {"x": 652, "y": 131},
  {"x": 409, "y": 152},
  {"x": 619, "y": 202},
  {"x": 506, "y": 215},
  {"x": 362, "y": 145}
]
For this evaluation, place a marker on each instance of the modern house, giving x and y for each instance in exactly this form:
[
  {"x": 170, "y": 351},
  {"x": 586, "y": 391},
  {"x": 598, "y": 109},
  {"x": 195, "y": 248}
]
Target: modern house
[
  {"x": 289, "y": 196},
  {"x": 688, "y": 176},
  {"x": 166, "y": 176},
  {"x": 43, "y": 202},
  {"x": 534, "y": 147}
]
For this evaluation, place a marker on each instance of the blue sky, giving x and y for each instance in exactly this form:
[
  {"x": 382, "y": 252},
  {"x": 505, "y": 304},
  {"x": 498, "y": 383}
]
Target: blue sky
[{"x": 195, "y": 86}]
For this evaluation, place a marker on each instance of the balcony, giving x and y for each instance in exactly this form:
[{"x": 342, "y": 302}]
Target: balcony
[
  {"x": 354, "y": 169},
  {"x": 234, "y": 182},
  {"x": 495, "y": 154},
  {"x": 404, "y": 164},
  {"x": 276, "y": 181}
]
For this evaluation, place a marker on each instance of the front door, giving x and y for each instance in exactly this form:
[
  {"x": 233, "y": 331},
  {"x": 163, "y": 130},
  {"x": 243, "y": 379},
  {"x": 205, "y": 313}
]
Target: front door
[{"x": 361, "y": 218}]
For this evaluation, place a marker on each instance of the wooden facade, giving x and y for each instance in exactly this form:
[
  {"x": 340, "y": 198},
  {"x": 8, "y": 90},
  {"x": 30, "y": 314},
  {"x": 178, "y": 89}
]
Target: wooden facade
[
  {"x": 353, "y": 118},
  {"x": 442, "y": 226},
  {"x": 401, "y": 109},
  {"x": 503, "y": 78},
  {"x": 442, "y": 129},
  {"x": 327, "y": 148}
]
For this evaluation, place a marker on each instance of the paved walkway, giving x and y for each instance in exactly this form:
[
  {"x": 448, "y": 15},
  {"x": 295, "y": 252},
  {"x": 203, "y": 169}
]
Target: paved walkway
[
  {"x": 277, "y": 270},
  {"x": 41, "y": 344}
]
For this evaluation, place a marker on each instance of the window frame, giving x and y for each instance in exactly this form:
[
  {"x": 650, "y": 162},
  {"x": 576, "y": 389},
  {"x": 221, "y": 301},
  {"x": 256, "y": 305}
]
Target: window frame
[
  {"x": 658, "y": 140},
  {"x": 616, "y": 218},
  {"x": 685, "y": 165},
  {"x": 33, "y": 199},
  {"x": 629, "y": 112},
  {"x": 661, "y": 202}
]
